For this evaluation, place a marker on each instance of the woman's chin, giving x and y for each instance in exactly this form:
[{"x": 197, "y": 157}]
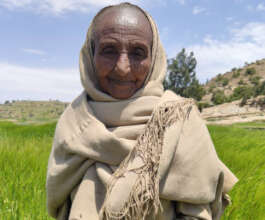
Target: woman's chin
[
  {"x": 121, "y": 95},
  {"x": 122, "y": 92}
]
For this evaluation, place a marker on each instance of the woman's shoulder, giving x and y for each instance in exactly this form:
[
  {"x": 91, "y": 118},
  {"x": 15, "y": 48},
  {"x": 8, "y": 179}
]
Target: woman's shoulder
[
  {"x": 171, "y": 97},
  {"x": 181, "y": 107},
  {"x": 73, "y": 117}
]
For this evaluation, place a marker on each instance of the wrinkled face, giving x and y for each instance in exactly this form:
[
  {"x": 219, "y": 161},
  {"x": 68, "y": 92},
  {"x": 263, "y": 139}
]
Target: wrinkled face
[{"x": 122, "y": 57}]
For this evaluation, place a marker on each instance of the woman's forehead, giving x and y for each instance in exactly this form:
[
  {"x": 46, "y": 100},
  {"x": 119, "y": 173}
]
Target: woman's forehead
[{"x": 122, "y": 19}]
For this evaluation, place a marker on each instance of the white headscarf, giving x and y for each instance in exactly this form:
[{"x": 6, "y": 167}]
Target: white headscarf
[{"x": 153, "y": 82}]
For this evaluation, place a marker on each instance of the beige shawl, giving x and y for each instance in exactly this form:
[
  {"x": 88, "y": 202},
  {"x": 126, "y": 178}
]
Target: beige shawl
[{"x": 96, "y": 133}]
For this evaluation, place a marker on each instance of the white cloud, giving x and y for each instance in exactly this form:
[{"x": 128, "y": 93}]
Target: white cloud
[
  {"x": 182, "y": 2},
  {"x": 59, "y": 6},
  {"x": 20, "y": 82},
  {"x": 253, "y": 32},
  {"x": 34, "y": 51},
  {"x": 197, "y": 10},
  {"x": 261, "y": 7},
  {"x": 246, "y": 44}
]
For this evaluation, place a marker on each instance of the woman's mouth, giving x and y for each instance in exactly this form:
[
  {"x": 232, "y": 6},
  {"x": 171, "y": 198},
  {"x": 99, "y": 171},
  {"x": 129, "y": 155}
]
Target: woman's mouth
[{"x": 121, "y": 82}]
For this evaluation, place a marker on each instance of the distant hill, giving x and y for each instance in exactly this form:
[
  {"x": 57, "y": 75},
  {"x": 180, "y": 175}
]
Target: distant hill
[
  {"x": 31, "y": 111},
  {"x": 236, "y": 84}
]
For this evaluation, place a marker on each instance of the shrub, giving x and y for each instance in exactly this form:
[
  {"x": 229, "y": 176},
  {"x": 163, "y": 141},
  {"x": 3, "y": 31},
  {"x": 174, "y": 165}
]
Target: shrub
[
  {"x": 211, "y": 88},
  {"x": 218, "y": 97},
  {"x": 219, "y": 77},
  {"x": 254, "y": 80},
  {"x": 250, "y": 71},
  {"x": 225, "y": 81},
  {"x": 242, "y": 92},
  {"x": 241, "y": 82},
  {"x": 260, "y": 90},
  {"x": 236, "y": 74},
  {"x": 202, "y": 105}
]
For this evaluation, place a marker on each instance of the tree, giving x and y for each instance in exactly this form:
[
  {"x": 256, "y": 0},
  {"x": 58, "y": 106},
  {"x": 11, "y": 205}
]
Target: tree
[{"x": 181, "y": 76}]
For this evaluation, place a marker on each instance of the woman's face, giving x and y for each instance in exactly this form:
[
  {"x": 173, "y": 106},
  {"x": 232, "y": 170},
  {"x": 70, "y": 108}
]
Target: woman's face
[{"x": 122, "y": 57}]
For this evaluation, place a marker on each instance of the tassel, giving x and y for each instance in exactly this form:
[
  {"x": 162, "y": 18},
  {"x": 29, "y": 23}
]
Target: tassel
[{"x": 144, "y": 199}]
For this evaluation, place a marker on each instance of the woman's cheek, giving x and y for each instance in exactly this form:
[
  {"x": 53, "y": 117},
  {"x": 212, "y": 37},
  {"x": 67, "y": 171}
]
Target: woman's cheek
[
  {"x": 142, "y": 70},
  {"x": 103, "y": 66}
]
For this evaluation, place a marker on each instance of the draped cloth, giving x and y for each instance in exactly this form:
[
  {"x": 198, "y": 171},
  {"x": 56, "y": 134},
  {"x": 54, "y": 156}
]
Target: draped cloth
[{"x": 98, "y": 135}]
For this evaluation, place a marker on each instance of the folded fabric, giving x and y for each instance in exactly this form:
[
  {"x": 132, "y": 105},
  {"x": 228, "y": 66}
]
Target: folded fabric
[{"x": 86, "y": 153}]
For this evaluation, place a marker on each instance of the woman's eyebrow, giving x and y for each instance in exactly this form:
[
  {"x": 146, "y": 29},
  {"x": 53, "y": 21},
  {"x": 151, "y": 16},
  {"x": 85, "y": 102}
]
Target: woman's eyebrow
[
  {"x": 108, "y": 40},
  {"x": 139, "y": 44},
  {"x": 103, "y": 43}
]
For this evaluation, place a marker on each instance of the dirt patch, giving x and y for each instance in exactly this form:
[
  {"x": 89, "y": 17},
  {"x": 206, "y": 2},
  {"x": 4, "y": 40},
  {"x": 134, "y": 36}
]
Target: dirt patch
[{"x": 229, "y": 113}]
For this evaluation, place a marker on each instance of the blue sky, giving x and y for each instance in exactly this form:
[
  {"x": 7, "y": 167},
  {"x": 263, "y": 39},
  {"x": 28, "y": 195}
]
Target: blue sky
[{"x": 41, "y": 40}]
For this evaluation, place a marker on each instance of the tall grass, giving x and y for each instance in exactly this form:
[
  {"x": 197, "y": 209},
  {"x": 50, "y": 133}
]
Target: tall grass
[
  {"x": 243, "y": 151},
  {"x": 24, "y": 151}
]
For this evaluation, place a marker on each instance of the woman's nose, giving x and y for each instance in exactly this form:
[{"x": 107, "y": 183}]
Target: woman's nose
[{"x": 123, "y": 65}]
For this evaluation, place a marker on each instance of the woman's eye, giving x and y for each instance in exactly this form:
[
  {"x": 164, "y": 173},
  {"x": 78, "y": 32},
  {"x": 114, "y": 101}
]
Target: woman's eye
[
  {"x": 108, "y": 50},
  {"x": 138, "y": 52}
]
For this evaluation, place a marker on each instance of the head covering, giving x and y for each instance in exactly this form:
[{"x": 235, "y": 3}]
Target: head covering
[
  {"x": 153, "y": 82},
  {"x": 94, "y": 136}
]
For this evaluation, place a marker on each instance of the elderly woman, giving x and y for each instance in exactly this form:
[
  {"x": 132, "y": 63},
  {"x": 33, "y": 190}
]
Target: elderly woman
[{"x": 125, "y": 149}]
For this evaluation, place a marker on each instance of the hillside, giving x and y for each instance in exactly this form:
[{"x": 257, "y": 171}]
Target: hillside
[
  {"x": 31, "y": 111},
  {"x": 235, "y": 84}
]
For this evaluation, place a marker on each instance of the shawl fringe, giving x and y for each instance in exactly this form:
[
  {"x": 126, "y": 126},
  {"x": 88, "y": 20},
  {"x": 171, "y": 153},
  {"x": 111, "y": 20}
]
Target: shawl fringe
[{"x": 144, "y": 196}]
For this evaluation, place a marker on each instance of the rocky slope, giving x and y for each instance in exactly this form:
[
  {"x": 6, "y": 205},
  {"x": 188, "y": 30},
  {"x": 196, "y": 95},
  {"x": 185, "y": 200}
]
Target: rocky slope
[{"x": 249, "y": 75}]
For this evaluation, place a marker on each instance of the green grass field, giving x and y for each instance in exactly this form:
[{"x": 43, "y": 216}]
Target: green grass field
[{"x": 24, "y": 151}]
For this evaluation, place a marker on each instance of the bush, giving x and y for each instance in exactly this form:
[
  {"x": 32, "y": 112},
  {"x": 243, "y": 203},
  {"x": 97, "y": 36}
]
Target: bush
[
  {"x": 219, "y": 77},
  {"x": 218, "y": 97},
  {"x": 202, "y": 105},
  {"x": 236, "y": 74},
  {"x": 254, "y": 80},
  {"x": 242, "y": 92},
  {"x": 260, "y": 90},
  {"x": 225, "y": 82},
  {"x": 212, "y": 87},
  {"x": 241, "y": 82},
  {"x": 250, "y": 71}
]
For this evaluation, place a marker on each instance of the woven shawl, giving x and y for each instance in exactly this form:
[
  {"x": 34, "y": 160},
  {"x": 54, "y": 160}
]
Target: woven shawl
[{"x": 97, "y": 134}]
